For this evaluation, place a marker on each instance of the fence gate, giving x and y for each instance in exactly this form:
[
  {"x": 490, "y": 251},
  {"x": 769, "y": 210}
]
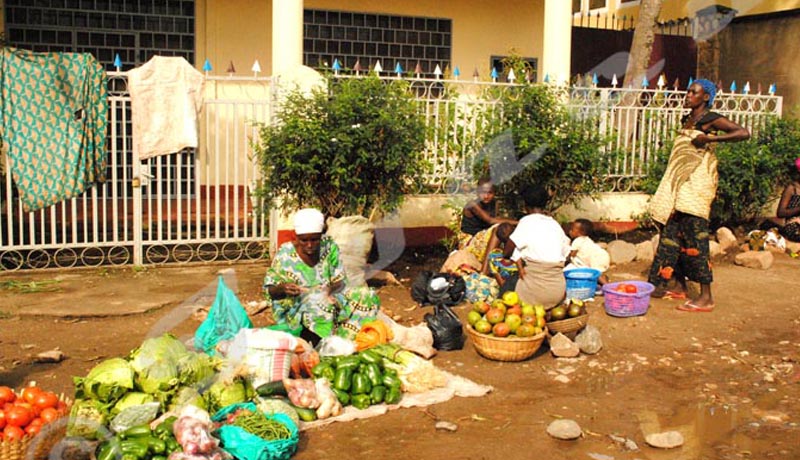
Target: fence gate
[{"x": 196, "y": 205}]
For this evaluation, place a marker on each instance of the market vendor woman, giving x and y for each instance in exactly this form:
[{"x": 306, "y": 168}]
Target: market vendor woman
[{"x": 307, "y": 285}]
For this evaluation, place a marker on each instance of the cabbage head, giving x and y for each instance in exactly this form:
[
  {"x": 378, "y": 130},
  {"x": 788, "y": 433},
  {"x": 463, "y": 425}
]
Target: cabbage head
[
  {"x": 184, "y": 396},
  {"x": 158, "y": 349},
  {"x": 197, "y": 369},
  {"x": 158, "y": 377},
  {"x": 225, "y": 392},
  {"x": 106, "y": 382},
  {"x": 133, "y": 398},
  {"x": 87, "y": 419}
]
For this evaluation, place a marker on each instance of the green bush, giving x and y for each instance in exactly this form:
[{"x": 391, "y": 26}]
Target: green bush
[
  {"x": 750, "y": 173},
  {"x": 351, "y": 149},
  {"x": 546, "y": 144}
]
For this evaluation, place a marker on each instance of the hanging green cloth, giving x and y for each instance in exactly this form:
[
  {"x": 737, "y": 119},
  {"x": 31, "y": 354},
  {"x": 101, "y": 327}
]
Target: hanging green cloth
[{"x": 54, "y": 111}]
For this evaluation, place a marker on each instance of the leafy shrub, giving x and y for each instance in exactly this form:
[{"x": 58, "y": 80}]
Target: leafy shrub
[
  {"x": 750, "y": 173},
  {"x": 351, "y": 149},
  {"x": 538, "y": 140}
]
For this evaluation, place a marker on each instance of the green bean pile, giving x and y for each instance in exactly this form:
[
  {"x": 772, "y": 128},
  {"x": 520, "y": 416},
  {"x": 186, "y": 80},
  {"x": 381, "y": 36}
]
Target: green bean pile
[{"x": 264, "y": 428}]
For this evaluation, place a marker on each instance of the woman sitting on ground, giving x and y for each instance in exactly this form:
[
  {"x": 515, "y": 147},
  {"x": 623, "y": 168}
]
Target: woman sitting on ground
[
  {"x": 789, "y": 207},
  {"x": 307, "y": 285},
  {"x": 540, "y": 247},
  {"x": 479, "y": 221}
]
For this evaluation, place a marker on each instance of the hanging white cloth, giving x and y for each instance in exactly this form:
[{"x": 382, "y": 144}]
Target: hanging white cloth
[{"x": 166, "y": 99}]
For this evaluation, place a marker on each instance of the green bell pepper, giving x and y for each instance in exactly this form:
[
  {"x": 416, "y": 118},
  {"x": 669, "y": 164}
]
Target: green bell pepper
[
  {"x": 342, "y": 396},
  {"x": 370, "y": 356},
  {"x": 361, "y": 401},
  {"x": 393, "y": 395},
  {"x": 342, "y": 379},
  {"x": 391, "y": 381},
  {"x": 374, "y": 375},
  {"x": 377, "y": 394},
  {"x": 348, "y": 362},
  {"x": 361, "y": 384}
]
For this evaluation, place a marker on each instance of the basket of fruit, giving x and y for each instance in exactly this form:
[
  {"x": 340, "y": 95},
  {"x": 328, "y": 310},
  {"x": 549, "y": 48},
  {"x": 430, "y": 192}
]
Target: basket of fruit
[
  {"x": 581, "y": 283},
  {"x": 506, "y": 329},
  {"x": 571, "y": 316},
  {"x": 32, "y": 421},
  {"x": 629, "y": 298}
]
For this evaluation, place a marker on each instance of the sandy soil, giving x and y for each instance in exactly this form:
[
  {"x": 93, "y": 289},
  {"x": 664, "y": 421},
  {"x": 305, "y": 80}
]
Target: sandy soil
[{"x": 729, "y": 381}]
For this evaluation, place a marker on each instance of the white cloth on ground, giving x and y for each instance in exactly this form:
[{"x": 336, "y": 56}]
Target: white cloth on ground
[{"x": 166, "y": 98}]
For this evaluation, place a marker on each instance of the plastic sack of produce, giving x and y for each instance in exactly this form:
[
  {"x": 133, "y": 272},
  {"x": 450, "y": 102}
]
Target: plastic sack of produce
[
  {"x": 261, "y": 355},
  {"x": 193, "y": 432},
  {"x": 225, "y": 318},
  {"x": 249, "y": 434}
]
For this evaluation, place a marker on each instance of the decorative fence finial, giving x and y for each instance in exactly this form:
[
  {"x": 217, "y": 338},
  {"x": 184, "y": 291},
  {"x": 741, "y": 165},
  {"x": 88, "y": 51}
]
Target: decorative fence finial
[
  {"x": 773, "y": 89},
  {"x": 691, "y": 80},
  {"x": 662, "y": 81},
  {"x": 398, "y": 69},
  {"x": 494, "y": 75},
  {"x": 456, "y": 73},
  {"x": 231, "y": 68},
  {"x": 117, "y": 62},
  {"x": 547, "y": 78},
  {"x": 733, "y": 86},
  {"x": 760, "y": 88},
  {"x": 418, "y": 70},
  {"x": 256, "y": 69},
  {"x": 475, "y": 74},
  {"x": 207, "y": 67},
  {"x": 357, "y": 66},
  {"x": 378, "y": 68},
  {"x": 437, "y": 71},
  {"x": 676, "y": 84},
  {"x": 337, "y": 66},
  {"x": 595, "y": 81},
  {"x": 746, "y": 89},
  {"x": 511, "y": 76},
  {"x": 645, "y": 82},
  {"x": 614, "y": 81}
]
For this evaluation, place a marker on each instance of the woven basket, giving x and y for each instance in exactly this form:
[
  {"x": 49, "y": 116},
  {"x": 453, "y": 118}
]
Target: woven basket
[
  {"x": 565, "y": 326},
  {"x": 624, "y": 304},
  {"x": 35, "y": 447},
  {"x": 505, "y": 348}
]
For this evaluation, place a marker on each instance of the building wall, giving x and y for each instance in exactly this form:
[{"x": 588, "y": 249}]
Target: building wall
[
  {"x": 480, "y": 29},
  {"x": 742, "y": 56},
  {"x": 676, "y": 9}
]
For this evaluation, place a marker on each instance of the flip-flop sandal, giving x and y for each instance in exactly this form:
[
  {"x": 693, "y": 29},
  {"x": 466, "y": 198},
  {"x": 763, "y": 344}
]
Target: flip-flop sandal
[
  {"x": 689, "y": 306},
  {"x": 674, "y": 295}
]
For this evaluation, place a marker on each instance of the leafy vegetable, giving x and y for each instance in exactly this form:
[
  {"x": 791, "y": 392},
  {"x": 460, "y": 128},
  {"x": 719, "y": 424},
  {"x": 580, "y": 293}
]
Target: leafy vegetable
[
  {"x": 196, "y": 368},
  {"x": 133, "y": 398},
  {"x": 184, "y": 396},
  {"x": 158, "y": 349},
  {"x": 87, "y": 419},
  {"x": 135, "y": 415},
  {"x": 159, "y": 377},
  {"x": 106, "y": 382},
  {"x": 225, "y": 392}
]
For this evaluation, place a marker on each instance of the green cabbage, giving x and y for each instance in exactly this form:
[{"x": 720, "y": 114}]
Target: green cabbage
[
  {"x": 184, "y": 396},
  {"x": 106, "y": 382},
  {"x": 133, "y": 398},
  {"x": 158, "y": 349},
  {"x": 196, "y": 368},
  {"x": 87, "y": 419},
  {"x": 159, "y": 377},
  {"x": 135, "y": 415},
  {"x": 224, "y": 392}
]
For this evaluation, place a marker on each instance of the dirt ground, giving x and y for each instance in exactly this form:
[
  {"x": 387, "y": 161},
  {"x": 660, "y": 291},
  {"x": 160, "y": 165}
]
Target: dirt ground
[{"x": 729, "y": 381}]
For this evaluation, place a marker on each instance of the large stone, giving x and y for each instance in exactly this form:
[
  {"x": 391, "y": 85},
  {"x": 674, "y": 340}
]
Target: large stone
[
  {"x": 589, "y": 340},
  {"x": 645, "y": 251},
  {"x": 562, "y": 347},
  {"x": 726, "y": 239},
  {"x": 755, "y": 259},
  {"x": 621, "y": 252},
  {"x": 654, "y": 241},
  {"x": 714, "y": 249},
  {"x": 565, "y": 429},
  {"x": 665, "y": 440}
]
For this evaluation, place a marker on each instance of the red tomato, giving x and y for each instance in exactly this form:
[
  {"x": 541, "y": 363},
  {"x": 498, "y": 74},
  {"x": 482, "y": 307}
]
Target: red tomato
[
  {"x": 2, "y": 419},
  {"x": 7, "y": 395},
  {"x": 45, "y": 399},
  {"x": 49, "y": 414},
  {"x": 631, "y": 289},
  {"x": 33, "y": 430},
  {"x": 13, "y": 432},
  {"x": 18, "y": 416},
  {"x": 29, "y": 393},
  {"x": 30, "y": 407}
]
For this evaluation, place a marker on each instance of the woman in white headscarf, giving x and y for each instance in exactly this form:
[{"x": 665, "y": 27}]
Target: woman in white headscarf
[{"x": 307, "y": 285}]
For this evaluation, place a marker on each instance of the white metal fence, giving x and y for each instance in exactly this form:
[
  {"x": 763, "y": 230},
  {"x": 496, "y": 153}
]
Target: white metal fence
[{"x": 197, "y": 205}]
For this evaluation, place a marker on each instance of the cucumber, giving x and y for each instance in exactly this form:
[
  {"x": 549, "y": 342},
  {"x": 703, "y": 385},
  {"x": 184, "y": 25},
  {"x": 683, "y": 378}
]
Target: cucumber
[
  {"x": 274, "y": 388},
  {"x": 305, "y": 414}
]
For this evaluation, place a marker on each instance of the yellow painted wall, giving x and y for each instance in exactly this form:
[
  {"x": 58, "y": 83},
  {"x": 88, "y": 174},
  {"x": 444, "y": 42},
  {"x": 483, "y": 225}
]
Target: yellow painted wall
[
  {"x": 240, "y": 30},
  {"x": 678, "y": 9}
]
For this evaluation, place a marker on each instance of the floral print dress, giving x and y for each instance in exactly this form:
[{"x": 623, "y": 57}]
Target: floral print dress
[{"x": 341, "y": 313}]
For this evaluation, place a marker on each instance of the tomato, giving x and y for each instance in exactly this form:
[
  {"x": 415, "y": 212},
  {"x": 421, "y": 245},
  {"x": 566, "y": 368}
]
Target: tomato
[
  {"x": 29, "y": 393},
  {"x": 631, "y": 289},
  {"x": 49, "y": 414},
  {"x": 33, "y": 430},
  {"x": 30, "y": 407},
  {"x": 45, "y": 399},
  {"x": 13, "y": 432},
  {"x": 62, "y": 407},
  {"x": 18, "y": 416},
  {"x": 7, "y": 395},
  {"x": 2, "y": 419}
]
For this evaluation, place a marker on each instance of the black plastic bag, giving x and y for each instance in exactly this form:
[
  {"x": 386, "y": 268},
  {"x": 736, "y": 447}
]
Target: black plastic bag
[
  {"x": 448, "y": 333},
  {"x": 452, "y": 293}
]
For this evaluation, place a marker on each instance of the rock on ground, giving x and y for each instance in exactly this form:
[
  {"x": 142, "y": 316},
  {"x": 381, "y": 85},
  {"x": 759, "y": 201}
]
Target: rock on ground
[
  {"x": 561, "y": 346},
  {"x": 665, "y": 440},
  {"x": 755, "y": 259},
  {"x": 726, "y": 239},
  {"x": 645, "y": 251},
  {"x": 564, "y": 429},
  {"x": 714, "y": 249},
  {"x": 589, "y": 340},
  {"x": 621, "y": 252}
]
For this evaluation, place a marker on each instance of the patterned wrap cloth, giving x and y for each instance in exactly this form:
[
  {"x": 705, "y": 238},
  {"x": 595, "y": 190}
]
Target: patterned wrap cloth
[
  {"x": 341, "y": 313},
  {"x": 54, "y": 116}
]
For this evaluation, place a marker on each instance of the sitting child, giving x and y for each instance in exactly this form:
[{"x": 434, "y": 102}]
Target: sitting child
[{"x": 586, "y": 253}]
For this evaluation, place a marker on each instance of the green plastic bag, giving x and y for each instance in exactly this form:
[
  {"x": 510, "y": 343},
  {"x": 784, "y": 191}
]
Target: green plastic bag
[
  {"x": 225, "y": 318},
  {"x": 245, "y": 446}
]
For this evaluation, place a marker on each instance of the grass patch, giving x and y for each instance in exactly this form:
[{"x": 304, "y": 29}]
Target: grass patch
[{"x": 31, "y": 286}]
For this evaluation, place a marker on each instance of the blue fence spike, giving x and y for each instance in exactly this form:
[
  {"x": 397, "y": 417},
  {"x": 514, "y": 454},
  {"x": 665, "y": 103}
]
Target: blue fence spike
[
  {"x": 337, "y": 66},
  {"x": 456, "y": 72},
  {"x": 773, "y": 89},
  {"x": 645, "y": 82},
  {"x": 733, "y": 86},
  {"x": 691, "y": 80},
  {"x": 547, "y": 78},
  {"x": 595, "y": 81},
  {"x": 494, "y": 73},
  {"x": 398, "y": 69},
  {"x": 117, "y": 62},
  {"x": 207, "y": 66}
]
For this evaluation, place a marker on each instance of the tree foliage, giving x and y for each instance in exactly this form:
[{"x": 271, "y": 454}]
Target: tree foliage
[{"x": 352, "y": 148}]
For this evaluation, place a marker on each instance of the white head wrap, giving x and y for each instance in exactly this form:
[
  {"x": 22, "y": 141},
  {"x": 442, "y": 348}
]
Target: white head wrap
[{"x": 308, "y": 220}]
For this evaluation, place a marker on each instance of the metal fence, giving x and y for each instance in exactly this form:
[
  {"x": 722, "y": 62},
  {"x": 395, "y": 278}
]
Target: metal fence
[{"x": 198, "y": 205}]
